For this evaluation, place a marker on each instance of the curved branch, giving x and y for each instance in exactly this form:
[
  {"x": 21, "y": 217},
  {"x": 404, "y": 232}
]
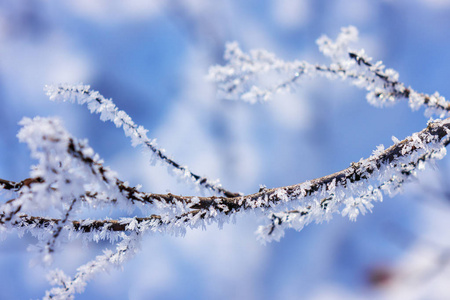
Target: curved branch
[
  {"x": 285, "y": 219},
  {"x": 398, "y": 89},
  {"x": 97, "y": 103},
  {"x": 243, "y": 76},
  {"x": 398, "y": 161}
]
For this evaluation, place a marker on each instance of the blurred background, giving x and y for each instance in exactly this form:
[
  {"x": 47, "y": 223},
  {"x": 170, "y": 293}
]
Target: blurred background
[{"x": 152, "y": 58}]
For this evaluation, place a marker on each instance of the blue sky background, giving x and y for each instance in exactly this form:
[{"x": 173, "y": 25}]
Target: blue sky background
[{"x": 152, "y": 58}]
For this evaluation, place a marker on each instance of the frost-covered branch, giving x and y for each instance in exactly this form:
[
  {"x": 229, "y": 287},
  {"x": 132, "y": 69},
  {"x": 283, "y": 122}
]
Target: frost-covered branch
[
  {"x": 84, "y": 226},
  {"x": 50, "y": 246},
  {"x": 72, "y": 153},
  {"x": 296, "y": 218},
  {"x": 348, "y": 192},
  {"x": 108, "y": 111},
  {"x": 125, "y": 250},
  {"x": 357, "y": 186},
  {"x": 109, "y": 229},
  {"x": 259, "y": 75},
  {"x": 68, "y": 170}
]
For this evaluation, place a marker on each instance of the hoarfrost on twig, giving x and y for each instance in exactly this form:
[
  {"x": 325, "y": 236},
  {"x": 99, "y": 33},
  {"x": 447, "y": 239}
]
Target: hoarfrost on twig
[{"x": 258, "y": 75}]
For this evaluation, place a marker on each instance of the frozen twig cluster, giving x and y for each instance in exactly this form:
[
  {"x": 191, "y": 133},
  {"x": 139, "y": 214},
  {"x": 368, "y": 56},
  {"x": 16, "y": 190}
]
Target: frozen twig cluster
[
  {"x": 70, "y": 178},
  {"x": 259, "y": 75}
]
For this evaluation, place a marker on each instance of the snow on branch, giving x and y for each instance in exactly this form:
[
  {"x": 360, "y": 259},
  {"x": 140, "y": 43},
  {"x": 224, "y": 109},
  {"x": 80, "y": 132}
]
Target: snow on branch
[
  {"x": 82, "y": 94},
  {"x": 259, "y": 75}
]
